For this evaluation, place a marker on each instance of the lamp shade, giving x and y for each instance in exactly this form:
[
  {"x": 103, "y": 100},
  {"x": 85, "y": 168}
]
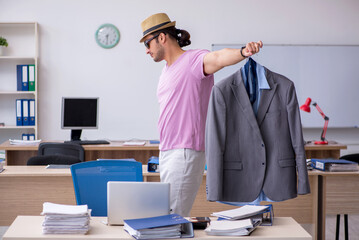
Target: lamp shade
[{"x": 305, "y": 107}]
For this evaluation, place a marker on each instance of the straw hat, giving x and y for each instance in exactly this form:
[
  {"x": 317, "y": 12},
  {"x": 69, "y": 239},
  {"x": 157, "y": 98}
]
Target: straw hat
[{"x": 155, "y": 22}]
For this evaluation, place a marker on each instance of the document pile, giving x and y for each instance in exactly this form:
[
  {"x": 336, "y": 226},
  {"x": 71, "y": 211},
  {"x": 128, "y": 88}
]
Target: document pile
[
  {"x": 232, "y": 228},
  {"x": 240, "y": 221},
  {"x": 65, "y": 219},
  {"x": 242, "y": 212},
  {"x": 23, "y": 142},
  {"x": 167, "y": 226},
  {"x": 2, "y": 163}
]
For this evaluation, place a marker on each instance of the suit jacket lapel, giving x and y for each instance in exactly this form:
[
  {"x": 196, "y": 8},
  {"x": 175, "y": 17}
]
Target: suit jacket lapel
[
  {"x": 266, "y": 97},
  {"x": 241, "y": 96}
]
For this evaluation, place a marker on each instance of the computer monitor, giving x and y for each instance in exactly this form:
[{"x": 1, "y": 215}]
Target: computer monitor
[{"x": 78, "y": 114}]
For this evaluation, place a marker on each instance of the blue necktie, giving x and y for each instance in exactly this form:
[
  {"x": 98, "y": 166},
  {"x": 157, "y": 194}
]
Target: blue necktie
[{"x": 251, "y": 84}]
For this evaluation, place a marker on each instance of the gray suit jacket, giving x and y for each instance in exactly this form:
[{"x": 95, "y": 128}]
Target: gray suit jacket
[{"x": 246, "y": 154}]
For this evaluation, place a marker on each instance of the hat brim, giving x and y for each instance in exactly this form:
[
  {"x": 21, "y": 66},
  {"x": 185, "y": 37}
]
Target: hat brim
[{"x": 171, "y": 24}]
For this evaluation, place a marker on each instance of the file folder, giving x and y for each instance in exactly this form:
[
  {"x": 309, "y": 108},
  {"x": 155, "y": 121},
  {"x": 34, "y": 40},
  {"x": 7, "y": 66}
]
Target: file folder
[
  {"x": 32, "y": 77},
  {"x": 334, "y": 165},
  {"x": 32, "y": 112},
  {"x": 25, "y": 112},
  {"x": 31, "y": 137},
  {"x": 25, "y": 137},
  {"x": 22, "y": 77},
  {"x": 18, "y": 112}
]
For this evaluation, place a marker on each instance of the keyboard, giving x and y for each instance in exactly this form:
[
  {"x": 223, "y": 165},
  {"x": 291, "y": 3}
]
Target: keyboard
[{"x": 89, "y": 142}]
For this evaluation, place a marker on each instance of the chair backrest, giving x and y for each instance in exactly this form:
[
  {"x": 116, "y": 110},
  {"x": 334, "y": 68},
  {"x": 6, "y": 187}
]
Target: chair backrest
[
  {"x": 68, "y": 149},
  {"x": 351, "y": 157},
  {"x": 90, "y": 181}
]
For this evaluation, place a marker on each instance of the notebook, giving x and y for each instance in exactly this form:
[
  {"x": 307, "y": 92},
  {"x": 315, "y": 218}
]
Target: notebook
[{"x": 131, "y": 200}]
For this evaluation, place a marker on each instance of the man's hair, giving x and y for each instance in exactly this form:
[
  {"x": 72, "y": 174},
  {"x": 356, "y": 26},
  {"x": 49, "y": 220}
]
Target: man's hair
[{"x": 181, "y": 36}]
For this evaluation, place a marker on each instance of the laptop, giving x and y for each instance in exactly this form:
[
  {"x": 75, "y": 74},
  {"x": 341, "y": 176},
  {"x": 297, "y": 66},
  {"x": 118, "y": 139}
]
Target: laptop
[{"x": 130, "y": 200}]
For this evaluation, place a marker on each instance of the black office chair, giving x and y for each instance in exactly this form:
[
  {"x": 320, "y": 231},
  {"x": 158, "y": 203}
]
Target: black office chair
[
  {"x": 58, "y": 153},
  {"x": 353, "y": 158}
]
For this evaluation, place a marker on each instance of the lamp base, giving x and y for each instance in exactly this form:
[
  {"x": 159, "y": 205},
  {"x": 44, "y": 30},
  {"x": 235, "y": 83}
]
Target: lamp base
[{"x": 321, "y": 142}]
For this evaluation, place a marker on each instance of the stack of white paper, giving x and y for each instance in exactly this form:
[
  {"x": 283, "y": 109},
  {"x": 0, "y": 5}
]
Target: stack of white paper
[
  {"x": 2, "y": 164},
  {"x": 65, "y": 219},
  {"x": 240, "y": 213},
  {"x": 23, "y": 142},
  {"x": 232, "y": 228},
  {"x": 134, "y": 143}
]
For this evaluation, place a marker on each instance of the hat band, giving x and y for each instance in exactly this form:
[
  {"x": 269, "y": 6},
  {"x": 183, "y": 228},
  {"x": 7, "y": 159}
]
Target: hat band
[{"x": 155, "y": 27}]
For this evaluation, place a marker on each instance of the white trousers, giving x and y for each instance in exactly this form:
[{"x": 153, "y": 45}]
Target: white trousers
[{"x": 183, "y": 169}]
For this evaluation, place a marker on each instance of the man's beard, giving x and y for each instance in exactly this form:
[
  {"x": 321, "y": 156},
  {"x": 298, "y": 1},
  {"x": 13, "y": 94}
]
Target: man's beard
[{"x": 159, "y": 55}]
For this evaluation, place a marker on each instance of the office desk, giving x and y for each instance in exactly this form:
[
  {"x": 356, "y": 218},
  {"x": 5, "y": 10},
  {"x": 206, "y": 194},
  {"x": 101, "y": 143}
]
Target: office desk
[
  {"x": 338, "y": 194},
  {"x": 29, "y": 227},
  {"x": 331, "y": 150},
  {"x": 25, "y": 188},
  {"x": 19, "y": 154}
]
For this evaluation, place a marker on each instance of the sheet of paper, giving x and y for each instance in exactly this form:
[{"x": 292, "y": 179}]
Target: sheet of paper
[{"x": 137, "y": 143}]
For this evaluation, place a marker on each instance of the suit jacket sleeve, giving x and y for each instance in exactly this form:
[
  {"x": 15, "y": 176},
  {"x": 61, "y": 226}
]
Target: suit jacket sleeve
[
  {"x": 215, "y": 144},
  {"x": 296, "y": 133}
]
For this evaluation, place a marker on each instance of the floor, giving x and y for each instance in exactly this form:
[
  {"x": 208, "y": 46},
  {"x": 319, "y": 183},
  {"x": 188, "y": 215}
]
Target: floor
[{"x": 329, "y": 233}]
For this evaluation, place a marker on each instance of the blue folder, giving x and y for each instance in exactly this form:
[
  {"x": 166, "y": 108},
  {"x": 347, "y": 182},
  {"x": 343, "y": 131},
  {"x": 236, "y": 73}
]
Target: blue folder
[
  {"x": 18, "y": 112},
  {"x": 22, "y": 74},
  {"x": 32, "y": 112},
  {"x": 25, "y": 112},
  {"x": 323, "y": 164}
]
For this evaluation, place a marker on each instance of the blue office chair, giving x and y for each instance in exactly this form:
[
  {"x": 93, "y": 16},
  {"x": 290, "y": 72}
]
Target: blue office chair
[{"x": 90, "y": 181}]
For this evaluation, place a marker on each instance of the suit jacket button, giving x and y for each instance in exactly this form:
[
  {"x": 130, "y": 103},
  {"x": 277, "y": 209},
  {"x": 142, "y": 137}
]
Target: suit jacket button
[{"x": 263, "y": 163}]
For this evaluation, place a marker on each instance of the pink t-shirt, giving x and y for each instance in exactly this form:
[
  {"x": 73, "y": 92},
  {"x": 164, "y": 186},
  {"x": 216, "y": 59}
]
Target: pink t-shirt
[{"x": 183, "y": 93}]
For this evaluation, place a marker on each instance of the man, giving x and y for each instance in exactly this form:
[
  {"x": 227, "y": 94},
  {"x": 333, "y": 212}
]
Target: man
[{"x": 183, "y": 93}]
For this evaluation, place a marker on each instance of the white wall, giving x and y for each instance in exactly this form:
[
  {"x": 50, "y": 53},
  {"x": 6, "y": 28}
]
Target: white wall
[{"x": 125, "y": 79}]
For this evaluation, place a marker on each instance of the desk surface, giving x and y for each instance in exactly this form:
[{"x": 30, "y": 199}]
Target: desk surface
[
  {"x": 29, "y": 227},
  {"x": 114, "y": 145},
  {"x": 42, "y": 171}
]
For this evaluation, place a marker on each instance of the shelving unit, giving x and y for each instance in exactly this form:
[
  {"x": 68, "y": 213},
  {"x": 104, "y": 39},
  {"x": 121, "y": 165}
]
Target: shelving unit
[{"x": 22, "y": 38}]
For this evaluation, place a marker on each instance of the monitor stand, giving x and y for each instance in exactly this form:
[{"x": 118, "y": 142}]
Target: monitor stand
[
  {"x": 76, "y": 138},
  {"x": 76, "y": 134}
]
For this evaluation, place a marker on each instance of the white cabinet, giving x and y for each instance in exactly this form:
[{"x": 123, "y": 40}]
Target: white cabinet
[{"x": 22, "y": 38}]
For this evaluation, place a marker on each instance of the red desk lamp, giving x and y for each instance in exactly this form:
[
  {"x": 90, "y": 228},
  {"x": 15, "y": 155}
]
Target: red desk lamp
[{"x": 306, "y": 107}]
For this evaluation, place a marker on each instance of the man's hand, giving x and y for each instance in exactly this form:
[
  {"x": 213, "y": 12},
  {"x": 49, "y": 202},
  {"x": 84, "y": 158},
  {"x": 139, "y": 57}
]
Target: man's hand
[
  {"x": 217, "y": 60},
  {"x": 252, "y": 48}
]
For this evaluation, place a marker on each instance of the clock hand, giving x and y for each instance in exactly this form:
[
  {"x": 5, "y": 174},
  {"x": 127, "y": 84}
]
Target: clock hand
[{"x": 106, "y": 38}]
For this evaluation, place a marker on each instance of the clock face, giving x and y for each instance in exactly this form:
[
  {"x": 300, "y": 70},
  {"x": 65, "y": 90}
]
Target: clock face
[{"x": 107, "y": 36}]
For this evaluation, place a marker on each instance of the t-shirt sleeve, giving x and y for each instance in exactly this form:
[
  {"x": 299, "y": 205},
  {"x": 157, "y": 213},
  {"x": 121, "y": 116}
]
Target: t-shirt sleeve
[{"x": 196, "y": 63}]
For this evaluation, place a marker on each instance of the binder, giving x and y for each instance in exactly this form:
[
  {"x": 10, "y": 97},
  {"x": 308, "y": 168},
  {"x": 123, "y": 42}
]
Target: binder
[
  {"x": 19, "y": 77},
  {"x": 155, "y": 227},
  {"x": 31, "y": 77},
  {"x": 18, "y": 112},
  {"x": 31, "y": 137},
  {"x": 32, "y": 112},
  {"x": 334, "y": 165},
  {"x": 22, "y": 77},
  {"x": 25, "y": 112},
  {"x": 25, "y": 137}
]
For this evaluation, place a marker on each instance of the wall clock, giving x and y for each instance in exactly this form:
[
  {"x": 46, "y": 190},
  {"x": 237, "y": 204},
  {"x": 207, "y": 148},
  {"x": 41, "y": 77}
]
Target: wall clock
[{"x": 107, "y": 35}]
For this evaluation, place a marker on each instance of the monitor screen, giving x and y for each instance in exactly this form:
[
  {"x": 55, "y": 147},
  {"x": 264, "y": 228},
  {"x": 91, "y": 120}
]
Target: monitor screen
[{"x": 79, "y": 113}]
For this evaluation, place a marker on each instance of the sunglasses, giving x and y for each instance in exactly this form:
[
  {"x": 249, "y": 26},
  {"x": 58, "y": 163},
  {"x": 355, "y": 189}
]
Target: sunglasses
[{"x": 147, "y": 42}]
